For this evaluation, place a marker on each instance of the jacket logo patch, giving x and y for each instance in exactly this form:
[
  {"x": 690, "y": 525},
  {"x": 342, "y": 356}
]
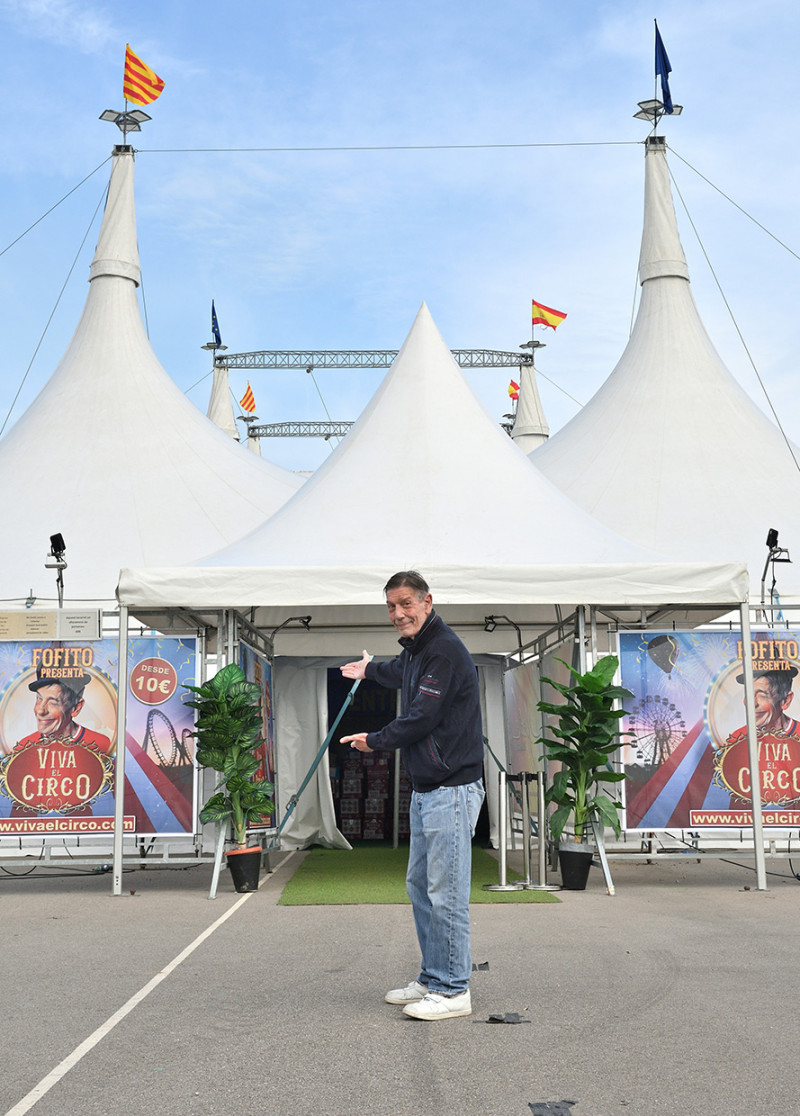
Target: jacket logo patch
[{"x": 430, "y": 686}]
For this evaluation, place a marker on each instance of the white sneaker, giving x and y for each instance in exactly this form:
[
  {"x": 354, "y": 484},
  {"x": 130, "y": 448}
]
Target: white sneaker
[
  {"x": 408, "y": 995},
  {"x": 437, "y": 1006}
]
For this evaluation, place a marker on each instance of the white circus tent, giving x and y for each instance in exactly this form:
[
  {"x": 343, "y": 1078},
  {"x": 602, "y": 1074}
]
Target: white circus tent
[
  {"x": 112, "y": 455},
  {"x": 457, "y": 500},
  {"x": 664, "y": 452}
]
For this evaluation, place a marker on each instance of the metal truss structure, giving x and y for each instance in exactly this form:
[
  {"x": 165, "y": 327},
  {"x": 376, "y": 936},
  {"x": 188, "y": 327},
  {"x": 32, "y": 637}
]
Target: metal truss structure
[{"x": 365, "y": 358}]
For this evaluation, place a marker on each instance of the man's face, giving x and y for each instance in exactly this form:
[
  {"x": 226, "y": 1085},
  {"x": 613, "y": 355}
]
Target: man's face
[
  {"x": 408, "y": 610},
  {"x": 53, "y": 711},
  {"x": 769, "y": 706}
]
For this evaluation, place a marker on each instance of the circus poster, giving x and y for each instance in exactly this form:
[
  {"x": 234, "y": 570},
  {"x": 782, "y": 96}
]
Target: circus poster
[
  {"x": 687, "y": 758},
  {"x": 58, "y": 737}
]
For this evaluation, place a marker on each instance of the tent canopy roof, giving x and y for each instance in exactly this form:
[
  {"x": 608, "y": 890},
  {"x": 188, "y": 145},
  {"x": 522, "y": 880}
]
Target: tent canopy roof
[{"x": 456, "y": 500}]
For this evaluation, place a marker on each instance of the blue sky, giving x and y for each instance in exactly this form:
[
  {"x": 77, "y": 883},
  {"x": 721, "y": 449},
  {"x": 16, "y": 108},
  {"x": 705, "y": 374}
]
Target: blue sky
[{"x": 337, "y": 249}]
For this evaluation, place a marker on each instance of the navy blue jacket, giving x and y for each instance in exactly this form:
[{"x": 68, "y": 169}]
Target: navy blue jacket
[{"x": 439, "y": 727}]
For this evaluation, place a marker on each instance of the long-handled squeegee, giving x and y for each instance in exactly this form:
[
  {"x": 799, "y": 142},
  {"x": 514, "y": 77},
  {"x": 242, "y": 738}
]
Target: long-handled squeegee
[{"x": 323, "y": 749}]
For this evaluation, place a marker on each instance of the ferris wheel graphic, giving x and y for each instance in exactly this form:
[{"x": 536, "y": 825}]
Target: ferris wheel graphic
[
  {"x": 657, "y": 727},
  {"x": 179, "y": 754}
]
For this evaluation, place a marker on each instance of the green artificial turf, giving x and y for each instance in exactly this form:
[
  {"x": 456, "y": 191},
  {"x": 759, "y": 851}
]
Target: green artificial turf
[{"x": 377, "y": 874}]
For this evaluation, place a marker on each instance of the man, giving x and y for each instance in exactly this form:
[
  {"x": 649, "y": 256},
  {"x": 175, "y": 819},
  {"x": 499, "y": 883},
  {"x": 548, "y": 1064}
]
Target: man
[
  {"x": 778, "y": 742},
  {"x": 63, "y": 767},
  {"x": 441, "y": 739},
  {"x": 772, "y": 694},
  {"x": 58, "y": 702}
]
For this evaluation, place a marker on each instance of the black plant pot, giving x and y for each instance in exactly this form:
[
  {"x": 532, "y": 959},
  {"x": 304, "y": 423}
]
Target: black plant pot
[
  {"x": 574, "y": 860},
  {"x": 245, "y": 866}
]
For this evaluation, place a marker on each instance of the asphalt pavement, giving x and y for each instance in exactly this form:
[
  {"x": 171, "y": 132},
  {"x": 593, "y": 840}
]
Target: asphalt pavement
[{"x": 672, "y": 996}]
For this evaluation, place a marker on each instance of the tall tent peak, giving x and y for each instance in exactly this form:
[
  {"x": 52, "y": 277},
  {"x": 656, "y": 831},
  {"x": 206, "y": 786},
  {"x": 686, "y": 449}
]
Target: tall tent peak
[
  {"x": 220, "y": 407},
  {"x": 661, "y": 253},
  {"x": 530, "y": 427},
  {"x": 117, "y": 252},
  {"x": 425, "y": 477}
]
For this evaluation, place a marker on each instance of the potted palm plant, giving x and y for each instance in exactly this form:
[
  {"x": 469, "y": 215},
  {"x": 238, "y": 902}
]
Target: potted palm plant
[
  {"x": 228, "y": 726},
  {"x": 585, "y": 734}
]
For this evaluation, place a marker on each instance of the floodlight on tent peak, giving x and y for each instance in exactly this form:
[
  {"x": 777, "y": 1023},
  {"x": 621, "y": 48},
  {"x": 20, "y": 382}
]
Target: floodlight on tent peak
[
  {"x": 653, "y": 110},
  {"x": 127, "y": 121}
]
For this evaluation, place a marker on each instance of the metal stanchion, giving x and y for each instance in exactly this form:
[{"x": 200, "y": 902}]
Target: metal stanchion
[
  {"x": 524, "y": 791},
  {"x": 502, "y": 821},
  {"x": 541, "y": 827}
]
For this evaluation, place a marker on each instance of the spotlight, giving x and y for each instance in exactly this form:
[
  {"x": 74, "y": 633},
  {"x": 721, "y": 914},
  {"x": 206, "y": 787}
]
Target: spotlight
[
  {"x": 55, "y": 561},
  {"x": 58, "y": 547},
  {"x": 775, "y": 553},
  {"x": 490, "y": 623},
  {"x": 304, "y": 620}
]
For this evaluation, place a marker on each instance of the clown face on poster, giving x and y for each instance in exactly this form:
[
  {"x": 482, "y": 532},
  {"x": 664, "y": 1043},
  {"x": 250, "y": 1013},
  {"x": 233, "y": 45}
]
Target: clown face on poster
[
  {"x": 58, "y": 737},
  {"x": 687, "y": 758}
]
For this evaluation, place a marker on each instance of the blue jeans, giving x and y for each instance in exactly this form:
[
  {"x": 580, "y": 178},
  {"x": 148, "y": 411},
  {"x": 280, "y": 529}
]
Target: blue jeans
[{"x": 442, "y": 824}]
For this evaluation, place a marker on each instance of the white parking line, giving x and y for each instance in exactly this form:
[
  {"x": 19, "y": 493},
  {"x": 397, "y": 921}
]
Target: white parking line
[{"x": 63, "y": 1068}]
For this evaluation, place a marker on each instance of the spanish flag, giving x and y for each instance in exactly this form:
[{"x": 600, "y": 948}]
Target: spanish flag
[
  {"x": 248, "y": 401},
  {"x": 513, "y": 390},
  {"x": 545, "y": 316},
  {"x": 140, "y": 84}
]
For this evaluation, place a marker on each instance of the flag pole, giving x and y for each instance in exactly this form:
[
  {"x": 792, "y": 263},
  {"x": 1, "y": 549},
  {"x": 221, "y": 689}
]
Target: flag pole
[{"x": 655, "y": 87}]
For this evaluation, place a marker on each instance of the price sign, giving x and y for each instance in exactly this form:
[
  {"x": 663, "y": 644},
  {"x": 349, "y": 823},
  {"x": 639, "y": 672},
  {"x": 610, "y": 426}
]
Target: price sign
[{"x": 153, "y": 681}]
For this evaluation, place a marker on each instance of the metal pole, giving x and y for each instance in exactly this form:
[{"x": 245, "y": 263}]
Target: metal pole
[
  {"x": 524, "y": 784},
  {"x": 541, "y": 826},
  {"x": 502, "y": 827},
  {"x": 396, "y": 802},
  {"x": 580, "y": 615},
  {"x": 119, "y": 770},
  {"x": 752, "y": 749}
]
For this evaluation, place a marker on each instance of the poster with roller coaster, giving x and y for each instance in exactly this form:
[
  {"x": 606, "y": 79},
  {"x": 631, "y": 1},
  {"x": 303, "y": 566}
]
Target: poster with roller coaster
[
  {"x": 687, "y": 757},
  {"x": 58, "y": 728}
]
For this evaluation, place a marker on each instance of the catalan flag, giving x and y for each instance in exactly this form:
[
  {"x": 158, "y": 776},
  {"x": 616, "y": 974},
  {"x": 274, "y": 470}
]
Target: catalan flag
[
  {"x": 248, "y": 401},
  {"x": 545, "y": 316},
  {"x": 513, "y": 390},
  {"x": 140, "y": 84}
]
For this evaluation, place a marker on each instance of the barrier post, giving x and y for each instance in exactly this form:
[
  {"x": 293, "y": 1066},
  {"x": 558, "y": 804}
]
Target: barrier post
[{"x": 502, "y": 824}]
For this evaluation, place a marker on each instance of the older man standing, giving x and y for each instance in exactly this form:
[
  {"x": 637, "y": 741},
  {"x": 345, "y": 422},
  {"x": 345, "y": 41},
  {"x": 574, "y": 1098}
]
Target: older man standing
[{"x": 440, "y": 736}]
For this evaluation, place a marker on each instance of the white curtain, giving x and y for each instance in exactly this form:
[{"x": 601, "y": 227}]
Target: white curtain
[{"x": 301, "y": 724}]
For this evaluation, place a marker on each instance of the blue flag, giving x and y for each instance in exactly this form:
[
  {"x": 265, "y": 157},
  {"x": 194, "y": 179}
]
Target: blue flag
[
  {"x": 663, "y": 70},
  {"x": 215, "y": 323}
]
